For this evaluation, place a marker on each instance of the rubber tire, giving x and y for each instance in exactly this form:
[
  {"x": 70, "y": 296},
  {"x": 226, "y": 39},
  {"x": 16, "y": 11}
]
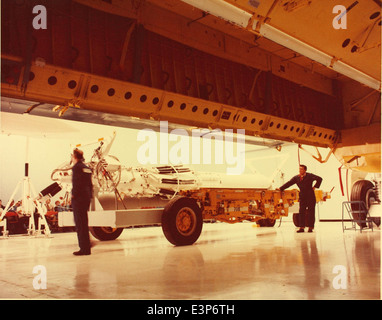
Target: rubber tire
[
  {"x": 296, "y": 220},
  {"x": 359, "y": 193},
  {"x": 169, "y": 217},
  {"x": 266, "y": 222},
  {"x": 105, "y": 234}
]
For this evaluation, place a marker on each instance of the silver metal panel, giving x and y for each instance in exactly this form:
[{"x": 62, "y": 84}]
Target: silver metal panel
[
  {"x": 115, "y": 218},
  {"x": 65, "y": 219},
  {"x": 133, "y": 217}
]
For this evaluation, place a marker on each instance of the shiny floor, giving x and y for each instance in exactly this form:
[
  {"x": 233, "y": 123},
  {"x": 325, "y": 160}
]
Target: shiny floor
[{"x": 228, "y": 262}]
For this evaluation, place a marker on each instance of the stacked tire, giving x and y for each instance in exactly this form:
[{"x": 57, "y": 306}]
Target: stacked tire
[{"x": 363, "y": 190}]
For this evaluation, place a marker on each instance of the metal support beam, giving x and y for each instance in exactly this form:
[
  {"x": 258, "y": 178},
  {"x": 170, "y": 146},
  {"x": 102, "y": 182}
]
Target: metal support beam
[{"x": 68, "y": 88}]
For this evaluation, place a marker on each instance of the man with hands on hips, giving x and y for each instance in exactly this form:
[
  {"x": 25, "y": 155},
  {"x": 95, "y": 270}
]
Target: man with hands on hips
[{"x": 307, "y": 198}]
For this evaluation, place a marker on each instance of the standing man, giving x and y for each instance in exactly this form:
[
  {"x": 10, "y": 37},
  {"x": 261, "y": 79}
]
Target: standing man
[
  {"x": 304, "y": 181},
  {"x": 82, "y": 193}
]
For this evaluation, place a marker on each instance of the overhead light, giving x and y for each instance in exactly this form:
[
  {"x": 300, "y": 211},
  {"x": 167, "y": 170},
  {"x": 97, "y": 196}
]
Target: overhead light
[
  {"x": 233, "y": 14},
  {"x": 310, "y": 52},
  {"x": 357, "y": 75},
  {"x": 222, "y": 10},
  {"x": 294, "y": 44}
]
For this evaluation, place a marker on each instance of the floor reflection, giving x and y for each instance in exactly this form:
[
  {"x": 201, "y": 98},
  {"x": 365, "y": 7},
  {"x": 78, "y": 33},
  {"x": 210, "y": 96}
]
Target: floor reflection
[{"x": 228, "y": 262}]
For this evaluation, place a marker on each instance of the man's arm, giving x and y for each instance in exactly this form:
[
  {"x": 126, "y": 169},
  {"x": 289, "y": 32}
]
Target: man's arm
[
  {"x": 291, "y": 182},
  {"x": 318, "y": 180}
]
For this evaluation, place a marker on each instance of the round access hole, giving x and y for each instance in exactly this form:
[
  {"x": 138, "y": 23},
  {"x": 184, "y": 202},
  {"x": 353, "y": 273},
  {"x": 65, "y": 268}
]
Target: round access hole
[
  {"x": 128, "y": 95},
  {"x": 375, "y": 15},
  {"x": 345, "y": 43},
  {"x": 94, "y": 88},
  {"x": 110, "y": 92},
  {"x": 72, "y": 84},
  {"x": 52, "y": 80}
]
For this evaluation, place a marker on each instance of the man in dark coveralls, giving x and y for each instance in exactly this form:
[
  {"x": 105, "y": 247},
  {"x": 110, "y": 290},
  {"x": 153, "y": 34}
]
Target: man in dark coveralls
[
  {"x": 304, "y": 181},
  {"x": 81, "y": 195}
]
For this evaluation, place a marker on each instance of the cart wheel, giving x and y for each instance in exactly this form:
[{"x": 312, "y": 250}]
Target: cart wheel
[
  {"x": 105, "y": 233},
  {"x": 266, "y": 222},
  {"x": 271, "y": 222},
  {"x": 296, "y": 219},
  {"x": 182, "y": 221},
  {"x": 261, "y": 223},
  {"x": 362, "y": 190}
]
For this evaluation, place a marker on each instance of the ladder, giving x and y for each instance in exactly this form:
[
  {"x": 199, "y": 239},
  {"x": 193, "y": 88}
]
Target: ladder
[{"x": 358, "y": 214}]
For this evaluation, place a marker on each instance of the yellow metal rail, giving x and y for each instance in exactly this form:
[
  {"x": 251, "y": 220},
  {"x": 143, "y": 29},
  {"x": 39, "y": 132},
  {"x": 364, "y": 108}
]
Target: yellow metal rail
[{"x": 68, "y": 88}]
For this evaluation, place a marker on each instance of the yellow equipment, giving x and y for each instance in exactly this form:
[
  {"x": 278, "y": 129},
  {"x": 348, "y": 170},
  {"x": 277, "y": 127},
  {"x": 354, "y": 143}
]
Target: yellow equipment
[{"x": 256, "y": 205}]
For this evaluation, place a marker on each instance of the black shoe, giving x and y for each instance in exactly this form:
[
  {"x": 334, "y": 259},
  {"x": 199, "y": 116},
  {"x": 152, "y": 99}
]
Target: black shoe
[
  {"x": 81, "y": 253},
  {"x": 300, "y": 230},
  {"x": 310, "y": 230}
]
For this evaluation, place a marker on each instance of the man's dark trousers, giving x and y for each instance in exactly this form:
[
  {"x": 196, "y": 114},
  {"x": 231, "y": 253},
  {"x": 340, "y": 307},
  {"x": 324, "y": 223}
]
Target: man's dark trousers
[
  {"x": 306, "y": 214},
  {"x": 80, "y": 212}
]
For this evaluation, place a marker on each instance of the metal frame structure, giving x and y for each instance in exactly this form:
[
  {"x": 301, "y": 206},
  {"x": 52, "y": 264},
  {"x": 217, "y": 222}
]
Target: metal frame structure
[{"x": 356, "y": 209}]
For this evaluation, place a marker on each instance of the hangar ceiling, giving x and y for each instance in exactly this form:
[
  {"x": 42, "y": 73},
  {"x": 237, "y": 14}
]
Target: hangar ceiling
[{"x": 196, "y": 63}]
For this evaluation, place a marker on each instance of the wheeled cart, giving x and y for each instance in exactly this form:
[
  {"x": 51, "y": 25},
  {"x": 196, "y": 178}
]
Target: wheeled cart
[
  {"x": 181, "y": 199},
  {"x": 182, "y": 217}
]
